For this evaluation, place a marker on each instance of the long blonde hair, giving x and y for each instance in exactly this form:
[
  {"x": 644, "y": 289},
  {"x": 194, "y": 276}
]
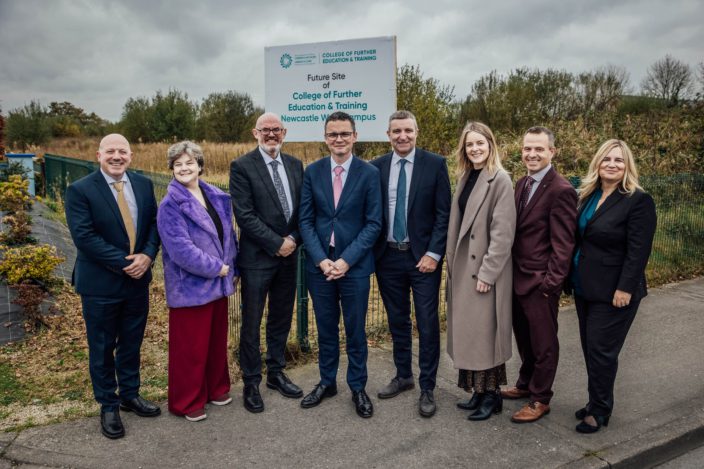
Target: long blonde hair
[
  {"x": 493, "y": 161},
  {"x": 591, "y": 182}
]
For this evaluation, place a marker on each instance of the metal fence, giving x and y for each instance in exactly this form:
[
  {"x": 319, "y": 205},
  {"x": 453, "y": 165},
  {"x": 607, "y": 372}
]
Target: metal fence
[{"x": 678, "y": 246}]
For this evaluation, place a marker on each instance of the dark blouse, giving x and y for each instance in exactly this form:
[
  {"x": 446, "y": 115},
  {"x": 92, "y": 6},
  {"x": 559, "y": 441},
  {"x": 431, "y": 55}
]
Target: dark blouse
[
  {"x": 467, "y": 190},
  {"x": 214, "y": 216}
]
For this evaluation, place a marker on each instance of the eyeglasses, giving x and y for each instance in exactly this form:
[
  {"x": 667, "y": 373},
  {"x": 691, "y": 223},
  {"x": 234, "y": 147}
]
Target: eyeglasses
[
  {"x": 335, "y": 135},
  {"x": 267, "y": 131}
]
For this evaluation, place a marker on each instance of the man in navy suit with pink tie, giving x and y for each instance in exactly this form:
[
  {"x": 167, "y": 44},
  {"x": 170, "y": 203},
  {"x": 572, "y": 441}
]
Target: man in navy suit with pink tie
[{"x": 340, "y": 220}]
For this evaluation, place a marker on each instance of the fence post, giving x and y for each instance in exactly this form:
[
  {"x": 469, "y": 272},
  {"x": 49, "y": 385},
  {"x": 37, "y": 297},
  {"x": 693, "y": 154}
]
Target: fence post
[{"x": 302, "y": 302}]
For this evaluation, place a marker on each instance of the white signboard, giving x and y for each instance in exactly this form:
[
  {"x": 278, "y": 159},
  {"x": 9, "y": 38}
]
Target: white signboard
[{"x": 307, "y": 82}]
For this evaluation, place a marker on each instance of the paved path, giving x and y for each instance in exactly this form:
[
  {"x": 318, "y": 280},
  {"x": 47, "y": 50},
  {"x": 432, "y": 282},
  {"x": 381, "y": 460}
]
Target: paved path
[
  {"x": 659, "y": 414},
  {"x": 46, "y": 231}
]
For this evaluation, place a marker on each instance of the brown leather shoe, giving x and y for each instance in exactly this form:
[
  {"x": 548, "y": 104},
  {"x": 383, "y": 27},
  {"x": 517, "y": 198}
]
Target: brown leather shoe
[
  {"x": 514, "y": 393},
  {"x": 531, "y": 412}
]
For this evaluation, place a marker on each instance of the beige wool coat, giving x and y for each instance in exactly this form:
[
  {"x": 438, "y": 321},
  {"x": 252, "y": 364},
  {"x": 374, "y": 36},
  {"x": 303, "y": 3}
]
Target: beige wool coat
[{"x": 479, "y": 247}]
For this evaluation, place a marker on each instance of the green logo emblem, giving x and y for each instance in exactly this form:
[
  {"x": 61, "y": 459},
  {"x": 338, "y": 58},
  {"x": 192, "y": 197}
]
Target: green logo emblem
[{"x": 286, "y": 61}]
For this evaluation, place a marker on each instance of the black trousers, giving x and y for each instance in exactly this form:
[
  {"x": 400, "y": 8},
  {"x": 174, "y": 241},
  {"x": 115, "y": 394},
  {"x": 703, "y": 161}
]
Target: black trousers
[
  {"x": 602, "y": 330},
  {"x": 279, "y": 284},
  {"x": 397, "y": 276}
]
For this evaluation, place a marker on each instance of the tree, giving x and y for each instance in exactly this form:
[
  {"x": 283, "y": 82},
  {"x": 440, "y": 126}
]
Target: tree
[
  {"x": 136, "y": 120},
  {"x": 600, "y": 91},
  {"x": 28, "y": 125},
  {"x": 164, "y": 118},
  {"x": 432, "y": 104},
  {"x": 669, "y": 79},
  {"x": 226, "y": 117}
]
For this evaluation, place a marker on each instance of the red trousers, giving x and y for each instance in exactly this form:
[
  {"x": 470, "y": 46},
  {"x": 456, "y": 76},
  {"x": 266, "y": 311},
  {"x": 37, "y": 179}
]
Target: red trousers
[{"x": 198, "y": 370}]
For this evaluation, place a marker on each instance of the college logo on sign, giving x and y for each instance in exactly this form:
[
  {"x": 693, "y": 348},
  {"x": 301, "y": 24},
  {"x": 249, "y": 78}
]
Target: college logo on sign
[{"x": 286, "y": 61}]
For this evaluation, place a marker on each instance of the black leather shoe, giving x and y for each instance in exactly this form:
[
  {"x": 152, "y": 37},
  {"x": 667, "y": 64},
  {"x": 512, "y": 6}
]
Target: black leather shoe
[
  {"x": 111, "y": 425},
  {"x": 281, "y": 383},
  {"x": 491, "y": 403},
  {"x": 471, "y": 403},
  {"x": 601, "y": 420},
  {"x": 362, "y": 404},
  {"x": 395, "y": 387},
  {"x": 141, "y": 407},
  {"x": 252, "y": 399},
  {"x": 316, "y": 396},
  {"x": 426, "y": 404},
  {"x": 581, "y": 413}
]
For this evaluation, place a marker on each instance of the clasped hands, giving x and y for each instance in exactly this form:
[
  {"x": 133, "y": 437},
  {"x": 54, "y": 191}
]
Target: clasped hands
[
  {"x": 334, "y": 270},
  {"x": 287, "y": 248},
  {"x": 139, "y": 266}
]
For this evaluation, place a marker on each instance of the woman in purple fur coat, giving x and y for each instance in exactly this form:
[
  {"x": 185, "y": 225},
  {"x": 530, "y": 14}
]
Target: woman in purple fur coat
[{"x": 199, "y": 253}]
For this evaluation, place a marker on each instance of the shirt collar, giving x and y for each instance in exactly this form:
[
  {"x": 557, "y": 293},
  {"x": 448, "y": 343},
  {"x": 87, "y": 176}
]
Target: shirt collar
[
  {"x": 267, "y": 158},
  {"x": 410, "y": 157},
  {"x": 109, "y": 179},
  {"x": 346, "y": 165},
  {"x": 537, "y": 177}
]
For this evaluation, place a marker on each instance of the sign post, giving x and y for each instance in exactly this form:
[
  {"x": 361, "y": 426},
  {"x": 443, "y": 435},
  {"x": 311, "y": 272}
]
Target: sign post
[{"x": 307, "y": 82}]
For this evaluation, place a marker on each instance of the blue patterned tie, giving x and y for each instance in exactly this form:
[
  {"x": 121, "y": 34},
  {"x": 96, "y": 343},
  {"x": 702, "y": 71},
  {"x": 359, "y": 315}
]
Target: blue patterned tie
[
  {"x": 279, "y": 186},
  {"x": 400, "y": 211}
]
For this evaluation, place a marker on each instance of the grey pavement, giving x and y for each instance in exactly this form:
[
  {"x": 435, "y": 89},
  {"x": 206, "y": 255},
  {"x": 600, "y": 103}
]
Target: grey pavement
[
  {"x": 658, "y": 415},
  {"x": 45, "y": 230}
]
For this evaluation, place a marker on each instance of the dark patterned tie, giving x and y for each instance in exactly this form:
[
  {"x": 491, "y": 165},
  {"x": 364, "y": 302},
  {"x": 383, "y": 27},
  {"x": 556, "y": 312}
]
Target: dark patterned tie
[
  {"x": 525, "y": 195},
  {"x": 279, "y": 186},
  {"x": 399, "y": 230}
]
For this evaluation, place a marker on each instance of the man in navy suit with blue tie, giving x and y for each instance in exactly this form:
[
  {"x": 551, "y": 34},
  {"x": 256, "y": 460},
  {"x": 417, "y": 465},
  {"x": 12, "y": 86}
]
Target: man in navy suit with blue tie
[
  {"x": 112, "y": 217},
  {"x": 416, "y": 208},
  {"x": 340, "y": 220}
]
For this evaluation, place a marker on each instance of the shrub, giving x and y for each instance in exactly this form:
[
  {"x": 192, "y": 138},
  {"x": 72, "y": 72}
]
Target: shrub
[
  {"x": 14, "y": 194},
  {"x": 33, "y": 263},
  {"x": 30, "y": 296},
  {"x": 20, "y": 228}
]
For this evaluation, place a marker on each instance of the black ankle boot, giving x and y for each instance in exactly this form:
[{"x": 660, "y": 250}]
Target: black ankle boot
[
  {"x": 601, "y": 420},
  {"x": 472, "y": 403},
  {"x": 492, "y": 403}
]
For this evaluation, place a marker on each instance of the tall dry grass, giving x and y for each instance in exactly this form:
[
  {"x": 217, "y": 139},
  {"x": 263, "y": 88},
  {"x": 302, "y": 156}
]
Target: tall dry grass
[{"x": 152, "y": 156}]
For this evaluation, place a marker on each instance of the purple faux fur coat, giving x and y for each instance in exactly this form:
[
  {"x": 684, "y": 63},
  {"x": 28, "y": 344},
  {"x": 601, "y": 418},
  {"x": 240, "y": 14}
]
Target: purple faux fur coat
[{"x": 191, "y": 249}]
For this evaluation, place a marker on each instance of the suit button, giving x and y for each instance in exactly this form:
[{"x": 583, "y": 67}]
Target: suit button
[
  {"x": 474, "y": 276},
  {"x": 473, "y": 256},
  {"x": 471, "y": 236},
  {"x": 334, "y": 220}
]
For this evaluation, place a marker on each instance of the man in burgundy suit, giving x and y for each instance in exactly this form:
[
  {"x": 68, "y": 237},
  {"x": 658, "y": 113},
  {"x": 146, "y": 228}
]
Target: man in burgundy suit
[{"x": 546, "y": 205}]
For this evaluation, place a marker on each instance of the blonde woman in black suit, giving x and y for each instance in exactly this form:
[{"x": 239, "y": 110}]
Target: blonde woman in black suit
[{"x": 615, "y": 228}]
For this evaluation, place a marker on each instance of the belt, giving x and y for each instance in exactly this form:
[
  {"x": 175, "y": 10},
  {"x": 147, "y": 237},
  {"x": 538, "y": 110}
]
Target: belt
[{"x": 399, "y": 246}]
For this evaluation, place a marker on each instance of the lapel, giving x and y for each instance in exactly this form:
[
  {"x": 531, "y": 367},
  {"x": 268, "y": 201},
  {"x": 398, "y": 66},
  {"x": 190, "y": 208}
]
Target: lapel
[
  {"x": 194, "y": 211},
  {"x": 614, "y": 198},
  {"x": 385, "y": 175},
  {"x": 542, "y": 188},
  {"x": 292, "y": 179},
  {"x": 350, "y": 183},
  {"x": 139, "y": 198},
  {"x": 326, "y": 178},
  {"x": 265, "y": 178},
  {"x": 106, "y": 192},
  {"x": 476, "y": 198},
  {"x": 418, "y": 167}
]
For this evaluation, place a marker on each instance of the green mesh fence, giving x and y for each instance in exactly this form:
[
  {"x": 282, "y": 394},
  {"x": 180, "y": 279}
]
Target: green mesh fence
[{"x": 678, "y": 248}]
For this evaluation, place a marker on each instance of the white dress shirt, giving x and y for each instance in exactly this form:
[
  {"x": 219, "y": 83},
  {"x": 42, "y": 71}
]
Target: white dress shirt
[
  {"x": 346, "y": 166},
  {"x": 538, "y": 178},
  {"x": 282, "y": 174},
  {"x": 127, "y": 189}
]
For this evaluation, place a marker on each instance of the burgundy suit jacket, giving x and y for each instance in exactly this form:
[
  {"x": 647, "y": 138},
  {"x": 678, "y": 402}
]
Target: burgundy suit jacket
[{"x": 545, "y": 235}]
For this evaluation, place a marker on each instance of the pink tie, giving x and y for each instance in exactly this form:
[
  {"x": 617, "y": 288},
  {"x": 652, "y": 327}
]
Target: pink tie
[{"x": 336, "y": 192}]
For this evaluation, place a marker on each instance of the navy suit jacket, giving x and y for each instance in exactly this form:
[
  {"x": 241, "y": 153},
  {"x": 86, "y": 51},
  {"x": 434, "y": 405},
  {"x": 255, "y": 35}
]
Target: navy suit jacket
[
  {"x": 356, "y": 220},
  {"x": 100, "y": 236},
  {"x": 429, "y": 202}
]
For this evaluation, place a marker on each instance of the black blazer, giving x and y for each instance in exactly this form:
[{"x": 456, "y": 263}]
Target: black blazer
[
  {"x": 615, "y": 247},
  {"x": 258, "y": 210},
  {"x": 429, "y": 201},
  {"x": 99, "y": 234}
]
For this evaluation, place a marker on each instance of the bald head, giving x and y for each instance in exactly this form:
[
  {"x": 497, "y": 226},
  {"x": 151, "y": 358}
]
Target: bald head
[{"x": 114, "y": 155}]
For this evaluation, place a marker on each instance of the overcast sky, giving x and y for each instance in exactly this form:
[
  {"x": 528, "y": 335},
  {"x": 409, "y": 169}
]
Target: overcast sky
[{"x": 98, "y": 53}]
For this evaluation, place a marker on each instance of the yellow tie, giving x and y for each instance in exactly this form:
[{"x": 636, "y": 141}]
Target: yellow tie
[{"x": 126, "y": 215}]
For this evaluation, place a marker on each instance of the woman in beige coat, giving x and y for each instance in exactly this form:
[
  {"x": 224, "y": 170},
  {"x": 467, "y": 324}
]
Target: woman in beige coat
[{"x": 479, "y": 240}]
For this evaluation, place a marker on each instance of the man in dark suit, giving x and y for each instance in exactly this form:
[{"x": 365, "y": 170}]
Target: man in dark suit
[
  {"x": 416, "y": 209},
  {"x": 340, "y": 221},
  {"x": 112, "y": 217},
  {"x": 265, "y": 185},
  {"x": 546, "y": 205}
]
